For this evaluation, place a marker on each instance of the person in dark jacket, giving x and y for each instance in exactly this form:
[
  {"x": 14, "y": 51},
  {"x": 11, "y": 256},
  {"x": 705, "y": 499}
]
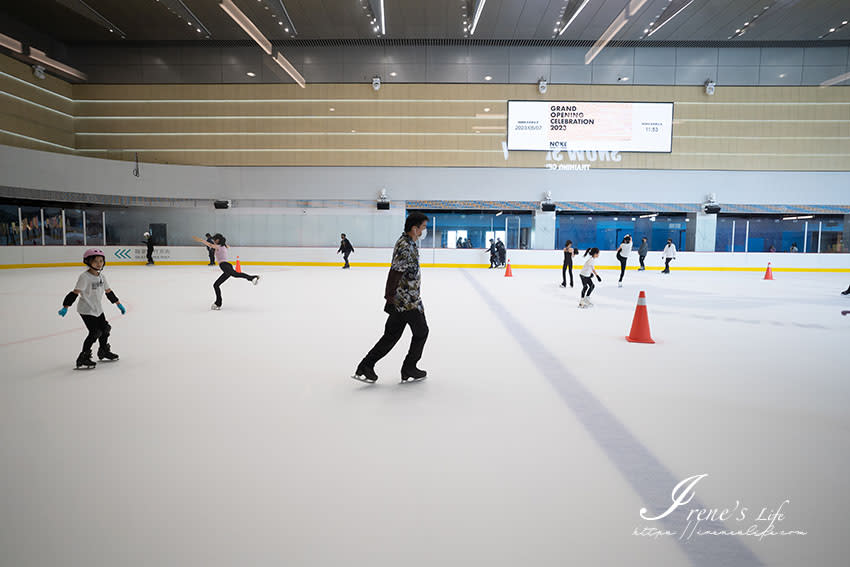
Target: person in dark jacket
[
  {"x": 403, "y": 306},
  {"x": 148, "y": 241},
  {"x": 500, "y": 246},
  {"x": 642, "y": 252},
  {"x": 346, "y": 248},
  {"x": 210, "y": 250},
  {"x": 494, "y": 254}
]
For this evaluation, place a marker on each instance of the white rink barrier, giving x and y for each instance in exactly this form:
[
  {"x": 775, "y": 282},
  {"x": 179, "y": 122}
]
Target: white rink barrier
[{"x": 56, "y": 256}]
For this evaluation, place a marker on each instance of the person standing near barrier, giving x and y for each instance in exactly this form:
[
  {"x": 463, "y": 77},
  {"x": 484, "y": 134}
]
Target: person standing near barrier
[
  {"x": 642, "y": 252},
  {"x": 219, "y": 244},
  {"x": 494, "y": 254},
  {"x": 668, "y": 254},
  {"x": 403, "y": 306},
  {"x": 500, "y": 246},
  {"x": 148, "y": 242},
  {"x": 211, "y": 251},
  {"x": 569, "y": 252},
  {"x": 346, "y": 248}
]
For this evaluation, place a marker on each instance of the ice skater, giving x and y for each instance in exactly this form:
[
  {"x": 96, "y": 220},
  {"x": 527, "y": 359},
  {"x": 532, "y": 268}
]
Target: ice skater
[
  {"x": 569, "y": 252},
  {"x": 587, "y": 272},
  {"x": 346, "y": 248},
  {"x": 503, "y": 253},
  {"x": 219, "y": 244},
  {"x": 668, "y": 254},
  {"x": 403, "y": 306},
  {"x": 623, "y": 252},
  {"x": 148, "y": 242},
  {"x": 90, "y": 288},
  {"x": 210, "y": 251},
  {"x": 642, "y": 252},
  {"x": 494, "y": 254}
]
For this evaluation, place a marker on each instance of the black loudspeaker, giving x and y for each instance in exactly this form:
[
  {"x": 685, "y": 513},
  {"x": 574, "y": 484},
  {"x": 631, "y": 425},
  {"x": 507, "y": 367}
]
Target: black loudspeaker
[
  {"x": 548, "y": 207},
  {"x": 711, "y": 209},
  {"x": 221, "y": 204},
  {"x": 383, "y": 205}
]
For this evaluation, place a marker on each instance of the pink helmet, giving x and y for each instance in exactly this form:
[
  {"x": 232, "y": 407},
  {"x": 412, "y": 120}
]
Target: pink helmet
[{"x": 91, "y": 253}]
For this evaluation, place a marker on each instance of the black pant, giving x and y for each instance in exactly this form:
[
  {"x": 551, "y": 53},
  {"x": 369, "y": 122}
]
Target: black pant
[
  {"x": 622, "y": 260},
  {"x": 98, "y": 331},
  {"x": 666, "y": 269},
  {"x": 494, "y": 260},
  {"x": 229, "y": 272},
  {"x": 642, "y": 258},
  {"x": 345, "y": 257},
  {"x": 568, "y": 265},
  {"x": 150, "y": 254},
  {"x": 211, "y": 252},
  {"x": 587, "y": 285},
  {"x": 392, "y": 333}
]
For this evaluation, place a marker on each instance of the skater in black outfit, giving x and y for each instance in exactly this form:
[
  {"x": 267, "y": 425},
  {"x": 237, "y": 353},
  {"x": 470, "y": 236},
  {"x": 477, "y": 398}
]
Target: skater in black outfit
[
  {"x": 148, "y": 241},
  {"x": 642, "y": 252},
  {"x": 211, "y": 251},
  {"x": 219, "y": 244},
  {"x": 623, "y": 252},
  {"x": 403, "y": 306},
  {"x": 494, "y": 254},
  {"x": 569, "y": 252},
  {"x": 90, "y": 288},
  {"x": 500, "y": 246},
  {"x": 588, "y": 271},
  {"x": 346, "y": 248}
]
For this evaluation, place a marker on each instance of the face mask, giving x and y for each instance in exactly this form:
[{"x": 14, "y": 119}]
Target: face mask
[{"x": 424, "y": 234}]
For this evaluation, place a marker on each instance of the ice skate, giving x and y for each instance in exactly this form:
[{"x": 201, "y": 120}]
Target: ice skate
[
  {"x": 365, "y": 374},
  {"x": 84, "y": 361},
  {"x": 413, "y": 374},
  {"x": 587, "y": 302},
  {"x": 563, "y": 285},
  {"x": 255, "y": 280},
  {"x": 105, "y": 352},
  {"x": 582, "y": 304},
  {"x": 215, "y": 307},
  {"x": 619, "y": 284}
]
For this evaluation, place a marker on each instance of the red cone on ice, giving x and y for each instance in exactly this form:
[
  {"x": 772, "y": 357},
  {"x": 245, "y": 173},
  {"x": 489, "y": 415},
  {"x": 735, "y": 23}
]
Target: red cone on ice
[
  {"x": 768, "y": 275},
  {"x": 238, "y": 266},
  {"x": 640, "y": 323},
  {"x": 508, "y": 273}
]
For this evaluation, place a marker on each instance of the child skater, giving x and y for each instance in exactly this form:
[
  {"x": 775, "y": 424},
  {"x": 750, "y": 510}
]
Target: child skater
[
  {"x": 569, "y": 252},
  {"x": 587, "y": 271},
  {"x": 219, "y": 244},
  {"x": 90, "y": 288},
  {"x": 668, "y": 254},
  {"x": 623, "y": 252}
]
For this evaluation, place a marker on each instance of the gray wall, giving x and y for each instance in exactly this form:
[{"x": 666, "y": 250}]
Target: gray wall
[
  {"x": 467, "y": 64},
  {"x": 34, "y": 169}
]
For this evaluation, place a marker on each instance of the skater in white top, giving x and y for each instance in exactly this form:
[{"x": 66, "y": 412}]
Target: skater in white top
[
  {"x": 90, "y": 288},
  {"x": 219, "y": 244},
  {"x": 623, "y": 252},
  {"x": 586, "y": 275},
  {"x": 668, "y": 254}
]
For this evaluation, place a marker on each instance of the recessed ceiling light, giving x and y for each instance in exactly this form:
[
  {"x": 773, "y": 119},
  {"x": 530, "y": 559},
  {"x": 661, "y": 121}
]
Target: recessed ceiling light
[
  {"x": 332, "y": 109},
  {"x": 251, "y": 74},
  {"x": 393, "y": 74},
  {"x": 487, "y": 109},
  {"x": 198, "y": 30},
  {"x": 488, "y": 78},
  {"x": 831, "y": 30},
  {"x": 782, "y": 75},
  {"x": 353, "y": 131}
]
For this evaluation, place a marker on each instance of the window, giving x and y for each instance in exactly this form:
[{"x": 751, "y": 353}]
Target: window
[
  {"x": 10, "y": 234},
  {"x": 473, "y": 229},
  {"x": 606, "y": 231},
  {"x": 74, "y": 227},
  {"x": 770, "y": 233}
]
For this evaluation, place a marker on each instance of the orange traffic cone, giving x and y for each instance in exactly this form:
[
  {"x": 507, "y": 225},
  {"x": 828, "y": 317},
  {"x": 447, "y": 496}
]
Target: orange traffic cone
[
  {"x": 238, "y": 266},
  {"x": 768, "y": 275},
  {"x": 508, "y": 273},
  {"x": 640, "y": 323}
]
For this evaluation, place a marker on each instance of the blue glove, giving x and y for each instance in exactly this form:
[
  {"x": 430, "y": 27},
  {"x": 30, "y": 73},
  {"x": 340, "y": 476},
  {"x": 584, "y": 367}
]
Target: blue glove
[
  {"x": 121, "y": 308},
  {"x": 63, "y": 311}
]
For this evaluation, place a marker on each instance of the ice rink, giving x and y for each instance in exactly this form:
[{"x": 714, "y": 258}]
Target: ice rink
[{"x": 237, "y": 438}]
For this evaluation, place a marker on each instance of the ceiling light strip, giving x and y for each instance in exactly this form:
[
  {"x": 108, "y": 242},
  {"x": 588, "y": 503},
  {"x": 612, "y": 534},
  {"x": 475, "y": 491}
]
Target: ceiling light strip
[
  {"x": 35, "y": 140},
  {"x": 48, "y": 91},
  {"x": 292, "y": 71},
  {"x": 621, "y": 20},
  {"x": 288, "y": 19},
  {"x": 574, "y": 16},
  {"x": 478, "y": 9},
  {"x": 90, "y": 13},
  {"x": 247, "y": 25},
  {"x": 383, "y": 20},
  {"x": 10, "y": 95},
  {"x": 11, "y": 43},
  {"x": 41, "y": 57},
  {"x": 665, "y": 22}
]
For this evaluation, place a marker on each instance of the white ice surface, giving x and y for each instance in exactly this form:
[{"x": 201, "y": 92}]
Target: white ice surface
[{"x": 237, "y": 438}]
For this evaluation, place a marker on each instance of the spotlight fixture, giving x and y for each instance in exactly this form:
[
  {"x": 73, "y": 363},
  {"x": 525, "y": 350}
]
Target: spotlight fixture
[
  {"x": 488, "y": 78},
  {"x": 376, "y": 83},
  {"x": 182, "y": 11},
  {"x": 622, "y": 79},
  {"x": 281, "y": 16},
  {"x": 41, "y": 57},
  {"x": 748, "y": 24},
  {"x": 374, "y": 12},
  {"x": 251, "y": 74},
  {"x": 542, "y": 86},
  {"x": 38, "y": 71},
  {"x": 709, "y": 87},
  {"x": 833, "y": 29}
]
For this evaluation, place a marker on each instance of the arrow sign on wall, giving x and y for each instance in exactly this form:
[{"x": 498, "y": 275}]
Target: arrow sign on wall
[{"x": 123, "y": 253}]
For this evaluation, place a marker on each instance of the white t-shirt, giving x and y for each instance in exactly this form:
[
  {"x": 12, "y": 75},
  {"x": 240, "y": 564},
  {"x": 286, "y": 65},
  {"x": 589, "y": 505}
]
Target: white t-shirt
[
  {"x": 91, "y": 289},
  {"x": 625, "y": 249},
  {"x": 587, "y": 268},
  {"x": 670, "y": 251}
]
